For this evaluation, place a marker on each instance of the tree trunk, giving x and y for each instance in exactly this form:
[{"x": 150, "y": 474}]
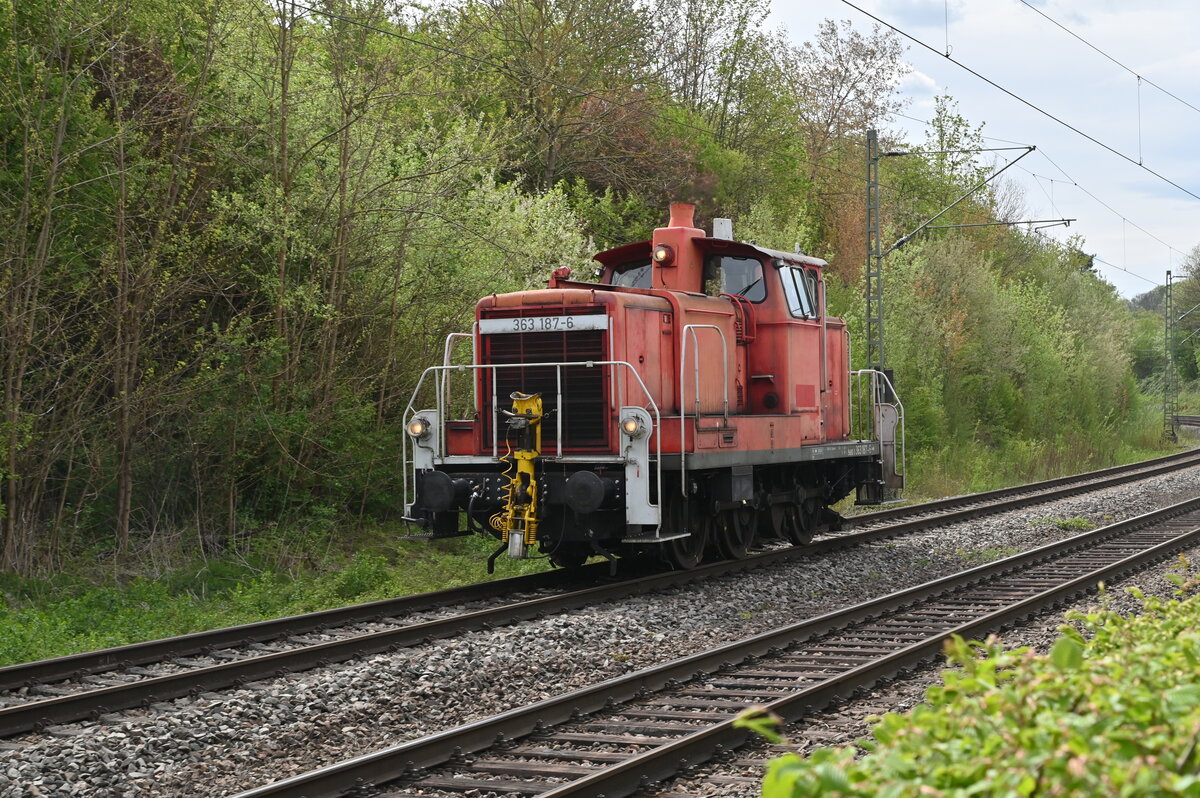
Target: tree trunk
[
  {"x": 124, "y": 367},
  {"x": 287, "y": 20}
]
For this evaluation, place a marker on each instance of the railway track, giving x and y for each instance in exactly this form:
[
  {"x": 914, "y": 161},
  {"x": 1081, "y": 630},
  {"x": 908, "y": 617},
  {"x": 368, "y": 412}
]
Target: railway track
[
  {"x": 39, "y": 695},
  {"x": 1103, "y": 477},
  {"x": 617, "y": 737}
]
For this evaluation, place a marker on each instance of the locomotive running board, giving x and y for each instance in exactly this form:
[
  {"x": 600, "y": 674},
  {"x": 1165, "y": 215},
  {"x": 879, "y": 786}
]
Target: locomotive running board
[
  {"x": 800, "y": 454},
  {"x": 659, "y": 539}
]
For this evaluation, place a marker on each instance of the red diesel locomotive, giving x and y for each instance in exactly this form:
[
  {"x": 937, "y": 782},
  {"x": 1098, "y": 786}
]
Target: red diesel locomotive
[{"x": 696, "y": 399}]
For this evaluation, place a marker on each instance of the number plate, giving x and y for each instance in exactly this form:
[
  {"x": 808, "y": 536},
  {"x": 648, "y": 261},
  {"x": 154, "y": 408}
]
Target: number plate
[{"x": 524, "y": 324}]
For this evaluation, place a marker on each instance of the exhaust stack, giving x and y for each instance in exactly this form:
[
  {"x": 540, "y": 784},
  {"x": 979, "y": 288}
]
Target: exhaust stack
[
  {"x": 683, "y": 214},
  {"x": 677, "y": 261}
]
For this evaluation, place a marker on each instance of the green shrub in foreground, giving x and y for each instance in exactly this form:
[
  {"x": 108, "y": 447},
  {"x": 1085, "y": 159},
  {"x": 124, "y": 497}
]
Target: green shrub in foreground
[{"x": 1114, "y": 715}]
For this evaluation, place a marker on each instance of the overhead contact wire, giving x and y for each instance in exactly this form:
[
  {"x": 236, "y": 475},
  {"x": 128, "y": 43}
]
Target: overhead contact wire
[
  {"x": 1111, "y": 209},
  {"x": 1069, "y": 181},
  {"x": 1023, "y": 101},
  {"x": 1106, "y": 55}
]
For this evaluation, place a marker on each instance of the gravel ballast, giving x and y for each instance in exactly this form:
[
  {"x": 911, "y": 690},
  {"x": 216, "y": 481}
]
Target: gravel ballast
[
  {"x": 851, "y": 720},
  {"x": 224, "y": 743}
]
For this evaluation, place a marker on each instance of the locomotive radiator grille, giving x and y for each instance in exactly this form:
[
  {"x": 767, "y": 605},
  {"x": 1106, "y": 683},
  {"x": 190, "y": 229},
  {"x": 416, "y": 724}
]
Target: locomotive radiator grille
[{"x": 585, "y": 406}]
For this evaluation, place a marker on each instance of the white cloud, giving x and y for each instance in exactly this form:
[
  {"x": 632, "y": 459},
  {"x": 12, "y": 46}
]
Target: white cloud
[{"x": 917, "y": 84}]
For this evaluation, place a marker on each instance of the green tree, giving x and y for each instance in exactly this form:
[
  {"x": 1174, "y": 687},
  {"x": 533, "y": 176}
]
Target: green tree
[{"x": 568, "y": 74}]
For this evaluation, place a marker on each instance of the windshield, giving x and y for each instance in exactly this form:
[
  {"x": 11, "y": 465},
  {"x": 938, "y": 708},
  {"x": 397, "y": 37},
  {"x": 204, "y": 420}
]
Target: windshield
[
  {"x": 632, "y": 275},
  {"x": 727, "y": 274}
]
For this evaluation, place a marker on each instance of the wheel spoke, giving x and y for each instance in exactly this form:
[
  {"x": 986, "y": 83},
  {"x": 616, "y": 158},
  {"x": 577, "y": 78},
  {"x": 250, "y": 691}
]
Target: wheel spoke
[{"x": 735, "y": 533}]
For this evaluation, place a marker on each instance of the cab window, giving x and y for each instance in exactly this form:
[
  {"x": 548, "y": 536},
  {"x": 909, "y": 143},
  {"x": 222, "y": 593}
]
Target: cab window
[
  {"x": 728, "y": 274},
  {"x": 800, "y": 292},
  {"x": 810, "y": 278},
  {"x": 632, "y": 275}
]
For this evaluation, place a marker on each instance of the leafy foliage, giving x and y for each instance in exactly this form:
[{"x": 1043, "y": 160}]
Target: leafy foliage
[
  {"x": 1012, "y": 348},
  {"x": 234, "y": 233}
]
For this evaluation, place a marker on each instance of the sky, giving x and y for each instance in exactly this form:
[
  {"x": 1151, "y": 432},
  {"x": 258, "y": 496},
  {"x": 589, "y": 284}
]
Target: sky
[{"x": 1136, "y": 224}]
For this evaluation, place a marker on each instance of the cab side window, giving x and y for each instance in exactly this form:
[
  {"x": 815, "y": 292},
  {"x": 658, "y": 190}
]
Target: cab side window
[
  {"x": 814, "y": 288},
  {"x": 727, "y": 274},
  {"x": 800, "y": 291}
]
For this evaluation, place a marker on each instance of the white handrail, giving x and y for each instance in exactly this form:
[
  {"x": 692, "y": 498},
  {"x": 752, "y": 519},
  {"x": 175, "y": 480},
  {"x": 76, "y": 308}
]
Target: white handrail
[
  {"x": 558, "y": 366},
  {"x": 444, "y": 379},
  {"x": 878, "y": 379},
  {"x": 558, "y": 417}
]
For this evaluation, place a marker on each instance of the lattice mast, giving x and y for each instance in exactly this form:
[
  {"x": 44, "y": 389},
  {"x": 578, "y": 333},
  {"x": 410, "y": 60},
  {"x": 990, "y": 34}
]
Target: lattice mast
[
  {"x": 874, "y": 270},
  {"x": 1170, "y": 405}
]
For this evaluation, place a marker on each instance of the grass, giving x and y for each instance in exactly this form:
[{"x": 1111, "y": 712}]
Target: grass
[
  {"x": 981, "y": 556},
  {"x": 51, "y": 617},
  {"x": 1070, "y": 524},
  {"x": 949, "y": 472}
]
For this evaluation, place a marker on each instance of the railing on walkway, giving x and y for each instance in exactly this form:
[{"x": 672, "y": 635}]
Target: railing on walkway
[
  {"x": 876, "y": 413},
  {"x": 439, "y": 375}
]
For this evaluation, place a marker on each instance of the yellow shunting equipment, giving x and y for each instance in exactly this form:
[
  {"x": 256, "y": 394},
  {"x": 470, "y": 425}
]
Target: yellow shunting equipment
[{"x": 520, "y": 514}]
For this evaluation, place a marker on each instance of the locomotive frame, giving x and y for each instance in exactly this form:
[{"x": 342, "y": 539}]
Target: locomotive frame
[{"x": 599, "y": 421}]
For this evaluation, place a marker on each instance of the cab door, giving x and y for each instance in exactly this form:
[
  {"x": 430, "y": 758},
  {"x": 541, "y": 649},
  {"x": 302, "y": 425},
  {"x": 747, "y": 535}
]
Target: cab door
[{"x": 802, "y": 293}]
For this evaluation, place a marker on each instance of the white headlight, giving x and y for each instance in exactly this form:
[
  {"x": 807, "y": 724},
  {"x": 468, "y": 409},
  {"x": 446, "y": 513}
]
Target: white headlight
[
  {"x": 633, "y": 427},
  {"x": 419, "y": 427}
]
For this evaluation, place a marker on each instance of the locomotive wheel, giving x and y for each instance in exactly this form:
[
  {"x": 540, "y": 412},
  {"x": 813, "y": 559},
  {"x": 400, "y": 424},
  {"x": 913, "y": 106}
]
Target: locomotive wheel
[
  {"x": 798, "y": 525},
  {"x": 571, "y": 555},
  {"x": 686, "y": 553},
  {"x": 735, "y": 533}
]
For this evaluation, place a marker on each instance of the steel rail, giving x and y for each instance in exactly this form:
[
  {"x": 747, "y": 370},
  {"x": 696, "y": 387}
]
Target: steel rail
[
  {"x": 39, "y": 714},
  {"x": 84, "y": 663},
  {"x": 1156, "y": 465},
  {"x": 77, "y": 665},
  {"x": 93, "y": 703},
  {"x": 663, "y": 762},
  {"x": 623, "y": 778}
]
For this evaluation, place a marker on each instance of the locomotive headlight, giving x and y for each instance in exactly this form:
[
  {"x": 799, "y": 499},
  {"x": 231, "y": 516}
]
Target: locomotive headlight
[
  {"x": 633, "y": 427},
  {"x": 419, "y": 428},
  {"x": 663, "y": 255}
]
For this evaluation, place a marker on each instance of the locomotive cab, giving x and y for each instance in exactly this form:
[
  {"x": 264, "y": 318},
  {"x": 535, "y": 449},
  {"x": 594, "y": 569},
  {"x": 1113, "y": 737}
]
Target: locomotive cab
[{"x": 694, "y": 401}]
